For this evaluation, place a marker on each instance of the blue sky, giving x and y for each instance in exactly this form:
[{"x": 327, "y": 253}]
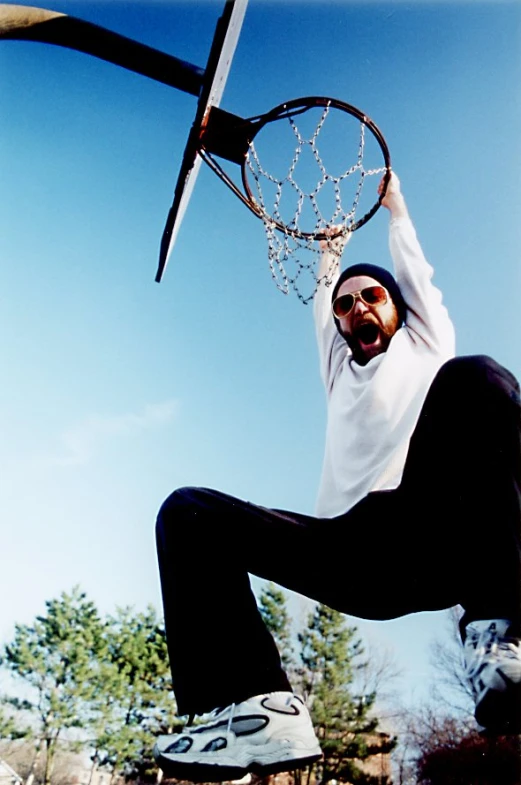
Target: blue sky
[{"x": 118, "y": 390}]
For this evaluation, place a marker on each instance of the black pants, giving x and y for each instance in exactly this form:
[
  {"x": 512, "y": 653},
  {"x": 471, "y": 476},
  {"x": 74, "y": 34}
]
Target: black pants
[{"x": 450, "y": 534}]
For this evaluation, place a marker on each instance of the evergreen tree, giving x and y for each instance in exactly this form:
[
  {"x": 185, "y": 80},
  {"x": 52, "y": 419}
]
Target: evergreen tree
[
  {"x": 57, "y": 657},
  {"x": 274, "y": 612},
  {"x": 10, "y": 728},
  {"x": 137, "y": 700},
  {"x": 330, "y": 654}
]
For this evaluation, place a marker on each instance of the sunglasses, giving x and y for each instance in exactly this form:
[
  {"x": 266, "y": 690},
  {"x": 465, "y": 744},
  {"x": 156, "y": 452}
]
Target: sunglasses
[{"x": 371, "y": 295}]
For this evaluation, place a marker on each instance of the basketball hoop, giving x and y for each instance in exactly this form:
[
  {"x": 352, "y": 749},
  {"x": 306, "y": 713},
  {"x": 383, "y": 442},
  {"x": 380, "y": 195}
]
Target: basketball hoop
[{"x": 304, "y": 167}]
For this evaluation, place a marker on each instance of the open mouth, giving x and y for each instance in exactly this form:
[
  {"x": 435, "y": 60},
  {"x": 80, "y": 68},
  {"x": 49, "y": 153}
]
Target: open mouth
[{"x": 367, "y": 334}]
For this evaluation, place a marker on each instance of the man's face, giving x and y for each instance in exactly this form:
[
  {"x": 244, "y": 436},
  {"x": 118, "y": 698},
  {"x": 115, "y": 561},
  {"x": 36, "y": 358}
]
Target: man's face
[{"x": 368, "y": 329}]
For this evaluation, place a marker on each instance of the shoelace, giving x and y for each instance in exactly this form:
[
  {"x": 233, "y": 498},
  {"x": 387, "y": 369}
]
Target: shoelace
[
  {"x": 230, "y": 718},
  {"x": 210, "y": 716}
]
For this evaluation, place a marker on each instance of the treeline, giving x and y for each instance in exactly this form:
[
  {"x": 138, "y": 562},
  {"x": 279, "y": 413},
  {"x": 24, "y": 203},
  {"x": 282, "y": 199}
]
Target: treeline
[
  {"x": 89, "y": 683},
  {"x": 103, "y": 686}
]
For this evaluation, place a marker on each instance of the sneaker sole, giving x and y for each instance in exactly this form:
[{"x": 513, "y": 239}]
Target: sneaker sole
[
  {"x": 291, "y": 765},
  {"x": 195, "y": 771}
]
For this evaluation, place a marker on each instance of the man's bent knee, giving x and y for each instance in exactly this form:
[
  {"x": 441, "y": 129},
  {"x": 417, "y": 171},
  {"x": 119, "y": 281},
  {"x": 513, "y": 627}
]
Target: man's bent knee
[
  {"x": 479, "y": 371},
  {"x": 179, "y": 508}
]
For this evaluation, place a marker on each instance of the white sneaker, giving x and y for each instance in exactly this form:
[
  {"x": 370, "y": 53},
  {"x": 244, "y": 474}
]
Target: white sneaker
[
  {"x": 493, "y": 661},
  {"x": 266, "y": 734}
]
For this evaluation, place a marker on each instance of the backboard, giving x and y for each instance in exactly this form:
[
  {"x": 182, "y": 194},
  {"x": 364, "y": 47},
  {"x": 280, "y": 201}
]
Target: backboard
[{"x": 219, "y": 62}]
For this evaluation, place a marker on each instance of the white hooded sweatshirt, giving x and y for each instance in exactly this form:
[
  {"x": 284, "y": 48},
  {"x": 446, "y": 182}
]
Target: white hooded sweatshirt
[{"x": 373, "y": 409}]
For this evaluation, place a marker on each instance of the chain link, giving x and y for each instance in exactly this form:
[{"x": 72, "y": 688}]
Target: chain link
[{"x": 301, "y": 255}]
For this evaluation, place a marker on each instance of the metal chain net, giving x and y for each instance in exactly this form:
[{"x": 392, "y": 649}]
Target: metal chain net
[{"x": 293, "y": 261}]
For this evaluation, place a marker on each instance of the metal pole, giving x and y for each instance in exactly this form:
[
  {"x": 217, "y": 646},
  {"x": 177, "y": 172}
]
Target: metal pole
[{"x": 25, "y": 23}]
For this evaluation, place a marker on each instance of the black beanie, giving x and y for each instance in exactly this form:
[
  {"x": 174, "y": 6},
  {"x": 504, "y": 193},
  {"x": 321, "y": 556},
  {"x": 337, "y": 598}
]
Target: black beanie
[{"x": 379, "y": 274}]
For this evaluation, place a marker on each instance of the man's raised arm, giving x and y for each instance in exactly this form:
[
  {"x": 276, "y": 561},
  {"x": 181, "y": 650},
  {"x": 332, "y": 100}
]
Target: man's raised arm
[
  {"x": 427, "y": 318},
  {"x": 331, "y": 347}
]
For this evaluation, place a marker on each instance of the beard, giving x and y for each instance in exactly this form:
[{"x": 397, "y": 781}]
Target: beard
[{"x": 368, "y": 340}]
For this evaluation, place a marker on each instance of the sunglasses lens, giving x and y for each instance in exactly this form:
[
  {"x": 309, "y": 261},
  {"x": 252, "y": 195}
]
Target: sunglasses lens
[
  {"x": 343, "y": 305},
  {"x": 374, "y": 295},
  {"x": 371, "y": 295}
]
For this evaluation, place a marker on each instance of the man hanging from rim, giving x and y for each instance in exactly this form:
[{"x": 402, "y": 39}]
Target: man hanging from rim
[{"x": 419, "y": 497}]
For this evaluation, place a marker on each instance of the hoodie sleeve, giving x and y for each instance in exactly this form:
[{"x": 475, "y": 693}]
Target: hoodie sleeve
[
  {"x": 332, "y": 349},
  {"x": 427, "y": 319}
]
